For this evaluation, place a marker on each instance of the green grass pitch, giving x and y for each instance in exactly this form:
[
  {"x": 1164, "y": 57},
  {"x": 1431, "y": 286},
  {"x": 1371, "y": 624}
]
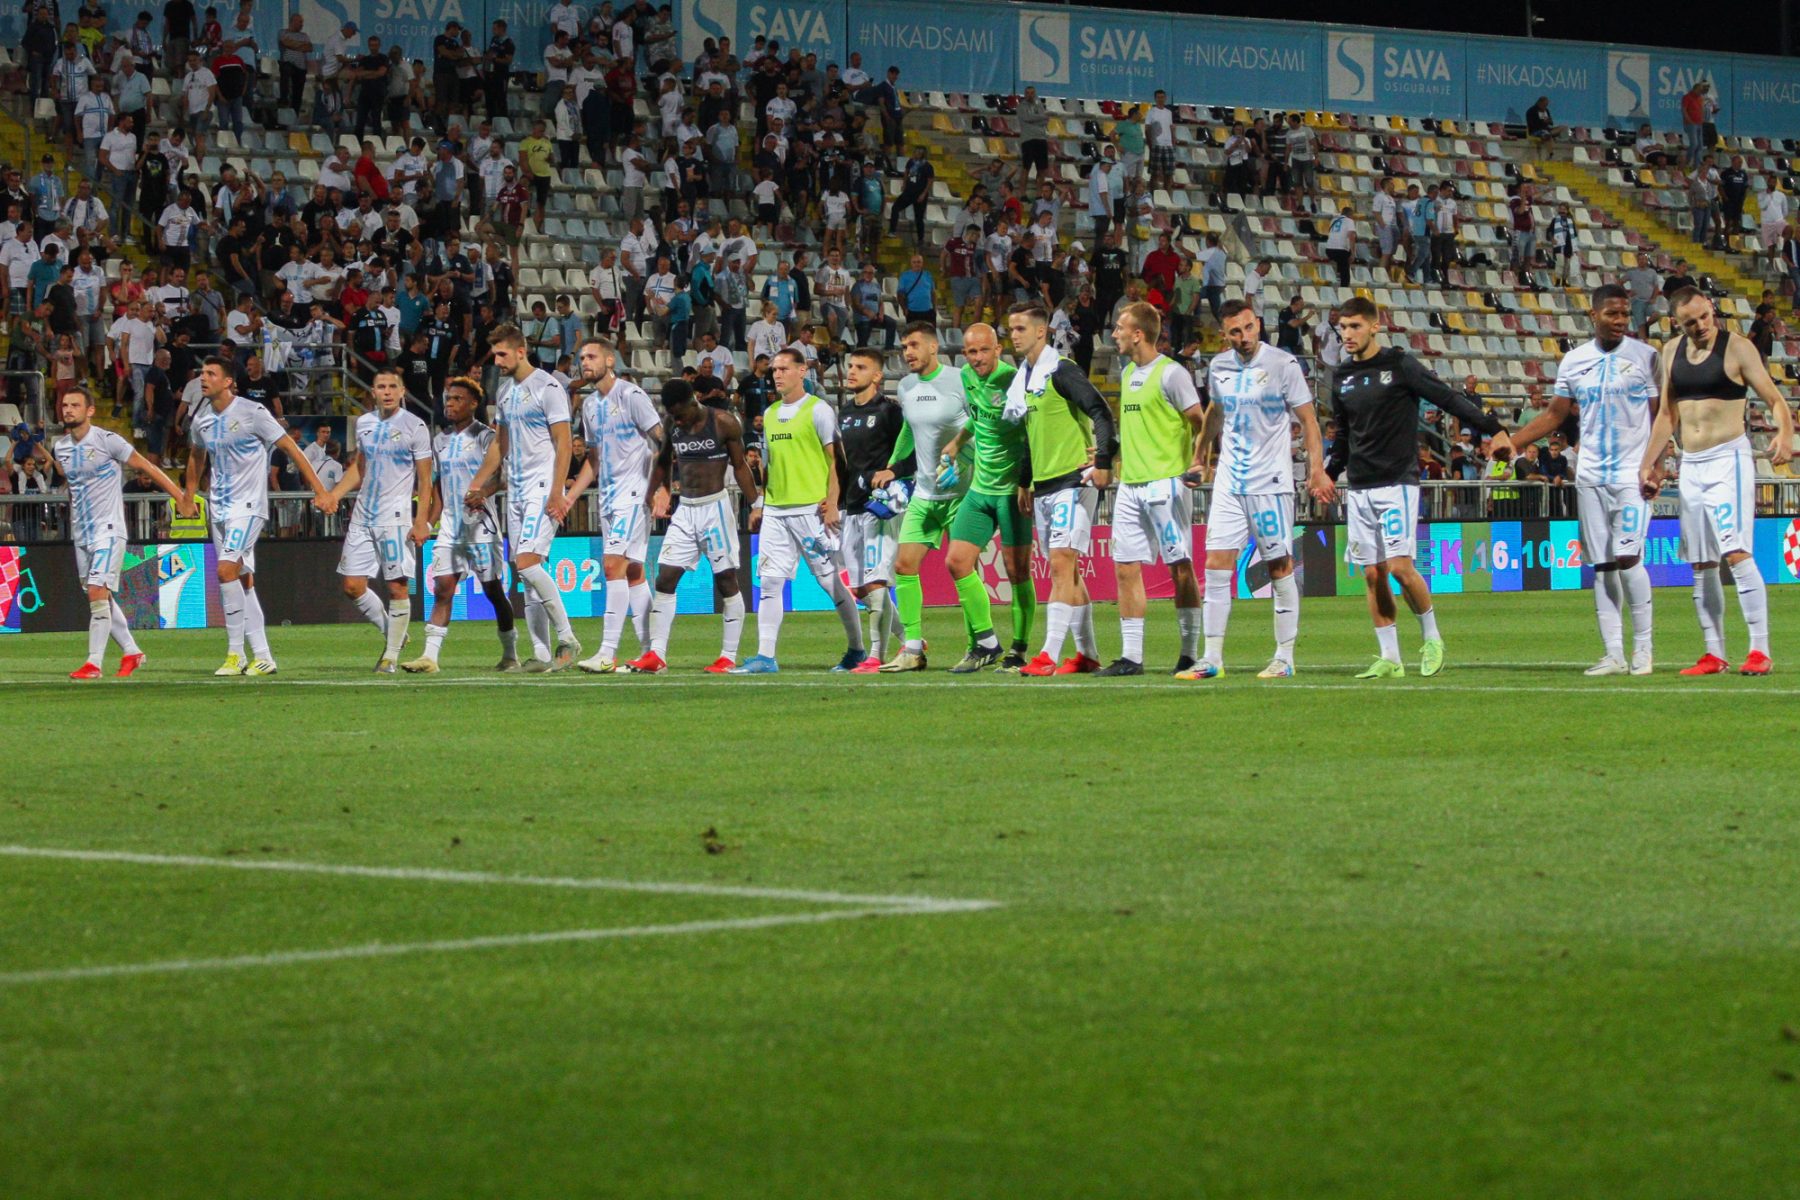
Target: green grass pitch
[{"x": 1510, "y": 932}]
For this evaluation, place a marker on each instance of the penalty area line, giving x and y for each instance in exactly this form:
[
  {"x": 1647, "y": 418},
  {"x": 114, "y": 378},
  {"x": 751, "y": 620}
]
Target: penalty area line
[{"x": 377, "y": 950}]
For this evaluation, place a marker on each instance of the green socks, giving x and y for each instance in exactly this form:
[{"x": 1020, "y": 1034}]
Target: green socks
[
  {"x": 978, "y": 614},
  {"x": 1024, "y": 611},
  {"x": 909, "y": 598}
]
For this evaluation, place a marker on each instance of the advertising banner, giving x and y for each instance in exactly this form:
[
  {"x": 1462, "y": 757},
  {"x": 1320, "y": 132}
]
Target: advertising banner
[
  {"x": 1764, "y": 98},
  {"x": 1092, "y": 52},
  {"x": 1387, "y": 71},
  {"x": 1647, "y": 85},
  {"x": 954, "y": 48},
  {"x": 1507, "y": 75},
  {"x": 810, "y": 26},
  {"x": 1257, "y": 64}
]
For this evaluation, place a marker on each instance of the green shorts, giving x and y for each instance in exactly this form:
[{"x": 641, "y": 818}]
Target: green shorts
[
  {"x": 926, "y": 521},
  {"x": 981, "y": 514}
]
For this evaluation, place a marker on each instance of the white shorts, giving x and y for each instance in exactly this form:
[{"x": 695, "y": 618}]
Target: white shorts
[
  {"x": 99, "y": 565},
  {"x": 1065, "y": 520},
  {"x": 529, "y": 526},
  {"x": 484, "y": 560},
  {"x": 704, "y": 525},
  {"x": 1614, "y": 519},
  {"x": 1153, "y": 522},
  {"x": 870, "y": 545},
  {"x": 1235, "y": 521},
  {"x": 1384, "y": 523},
  {"x": 626, "y": 526},
  {"x": 381, "y": 552},
  {"x": 1718, "y": 502},
  {"x": 235, "y": 540},
  {"x": 787, "y": 538}
]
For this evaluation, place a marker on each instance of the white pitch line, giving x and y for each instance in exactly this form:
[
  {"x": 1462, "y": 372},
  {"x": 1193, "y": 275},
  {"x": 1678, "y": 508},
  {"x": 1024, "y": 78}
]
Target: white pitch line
[
  {"x": 453, "y": 945},
  {"x": 920, "y": 904}
]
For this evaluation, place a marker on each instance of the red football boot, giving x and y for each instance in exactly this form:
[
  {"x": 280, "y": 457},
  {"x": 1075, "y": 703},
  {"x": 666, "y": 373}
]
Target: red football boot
[
  {"x": 85, "y": 671},
  {"x": 648, "y": 663},
  {"x": 1709, "y": 664},
  {"x": 1078, "y": 664},
  {"x": 1757, "y": 664},
  {"x": 868, "y": 666},
  {"x": 719, "y": 666},
  {"x": 128, "y": 664},
  {"x": 1042, "y": 665}
]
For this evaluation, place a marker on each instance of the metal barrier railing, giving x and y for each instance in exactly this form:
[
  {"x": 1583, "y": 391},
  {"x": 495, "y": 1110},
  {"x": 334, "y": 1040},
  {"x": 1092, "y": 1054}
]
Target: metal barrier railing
[{"x": 44, "y": 517}]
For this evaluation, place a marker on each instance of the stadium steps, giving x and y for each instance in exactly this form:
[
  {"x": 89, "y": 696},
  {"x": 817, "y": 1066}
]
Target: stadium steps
[
  {"x": 1625, "y": 207},
  {"x": 22, "y": 145}
]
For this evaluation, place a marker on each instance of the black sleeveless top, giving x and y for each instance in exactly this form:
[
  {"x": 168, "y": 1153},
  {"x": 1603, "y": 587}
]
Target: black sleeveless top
[
  {"x": 700, "y": 445},
  {"x": 1706, "y": 379}
]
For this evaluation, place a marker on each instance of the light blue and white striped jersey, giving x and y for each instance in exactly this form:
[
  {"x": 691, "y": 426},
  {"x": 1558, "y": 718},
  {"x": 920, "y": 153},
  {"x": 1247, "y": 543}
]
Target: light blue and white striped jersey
[
  {"x": 389, "y": 448},
  {"x": 237, "y": 441},
  {"x": 527, "y": 411},
  {"x": 1615, "y": 390},
  {"x": 617, "y": 425},
  {"x": 459, "y": 456},
  {"x": 94, "y": 469},
  {"x": 1258, "y": 397}
]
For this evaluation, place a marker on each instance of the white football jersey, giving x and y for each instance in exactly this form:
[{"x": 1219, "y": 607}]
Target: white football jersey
[
  {"x": 389, "y": 448},
  {"x": 936, "y": 410},
  {"x": 460, "y": 454},
  {"x": 617, "y": 425},
  {"x": 237, "y": 441},
  {"x": 1614, "y": 390},
  {"x": 1259, "y": 397},
  {"x": 527, "y": 411},
  {"x": 94, "y": 469}
]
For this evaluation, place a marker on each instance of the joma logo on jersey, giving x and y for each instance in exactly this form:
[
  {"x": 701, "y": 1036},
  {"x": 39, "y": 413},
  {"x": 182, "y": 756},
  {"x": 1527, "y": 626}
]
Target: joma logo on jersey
[
  {"x": 1133, "y": 407},
  {"x": 781, "y": 437}
]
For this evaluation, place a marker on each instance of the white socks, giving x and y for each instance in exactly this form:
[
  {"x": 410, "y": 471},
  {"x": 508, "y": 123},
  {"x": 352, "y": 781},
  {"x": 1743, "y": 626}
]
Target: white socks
[
  {"x": 1428, "y": 624},
  {"x": 99, "y": 629},
  {"x": 255, "y": 632},
  {"x": 537, "y": 626},
  {"x": 1636, "y": 581},
  {"x": 231, "y": 599},
  {"x": 1187, "y": 620},
  {"x": 880, "y": 603},
  {"x": 1709, "y": 606},
  {"x": 1609, "y": 595},
  {"x": 1215, "y": 608},
  {"x": 372, "y": 609},
  {"x": 1056, "y": 627},
  {"x": 662, "y": 620},
  {"x": 734, "y": 625},
  {"x": 538, "y": 582},
  {"x": 1753, "y": 601},
  {"x": 1287, "y": 616},
  {"x": 434, "y": 640},
  {"x": 846, "y": 607},
  {"x": 640, "y": 613},
  {"x": 1388, "y": 638},
  {"x": 1132, "y": 631},
  {"x": 121, "y": 629},
  {"x": 399, "y": 616},
  {"x": 1082, "y": 623},
  {"x": 769, "y": 611},
  {"x": 618, "y": 603}
]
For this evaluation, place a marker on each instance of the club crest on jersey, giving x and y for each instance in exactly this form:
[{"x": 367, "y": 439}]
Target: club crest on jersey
[
  {"x": 1258, "y": 377},
  {"x": 1387, "y": 377}
]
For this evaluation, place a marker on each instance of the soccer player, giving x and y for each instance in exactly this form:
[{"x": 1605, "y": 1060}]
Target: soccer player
[
  {"x": 999, "y": 496},
  {"x": 92, "y": 461},
  {"x": 1614, "y": 382},
  {"x": 624, "y": 436},
  {"x": 1153, "y": 514},
  {"x": 932, "y": 399},
  {"x": 702, "y": 442},
  {"x": 468, "y": 539},
  {"x": 800, "y": 521},
  {"x": 868, "y": 429},
  {"x": 235, "y": 436},
  {"x": 1070, "y": 437},
  {"x": 1706, "y": 372},
  {"x": 534, "y": 447},
  {"x": 392, "y": 464},
  {"x": 1376, "y": 392},
  {"x": 1258, "y": 390}
]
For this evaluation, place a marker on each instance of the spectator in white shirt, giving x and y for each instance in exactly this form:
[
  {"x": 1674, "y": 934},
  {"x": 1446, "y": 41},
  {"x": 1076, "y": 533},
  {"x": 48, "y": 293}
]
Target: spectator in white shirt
[
  {"x": 119, "y": 155},
  {"x": 175, "y": 229},
  {"x": 1159, "y": 133},
  {"x": 199, "y": 92}
]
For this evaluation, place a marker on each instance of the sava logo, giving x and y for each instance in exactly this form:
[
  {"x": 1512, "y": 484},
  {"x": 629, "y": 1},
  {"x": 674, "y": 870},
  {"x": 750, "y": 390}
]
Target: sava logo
[
  {"x": 792, "y": 25},
  {"x": 702, "y": 19},
  {"x": 1627, "y": 84},
  {"x": 1350, "y": 67},
  {"x": 1044, "y": 47},
  {"x": 322, "y": 18}
]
